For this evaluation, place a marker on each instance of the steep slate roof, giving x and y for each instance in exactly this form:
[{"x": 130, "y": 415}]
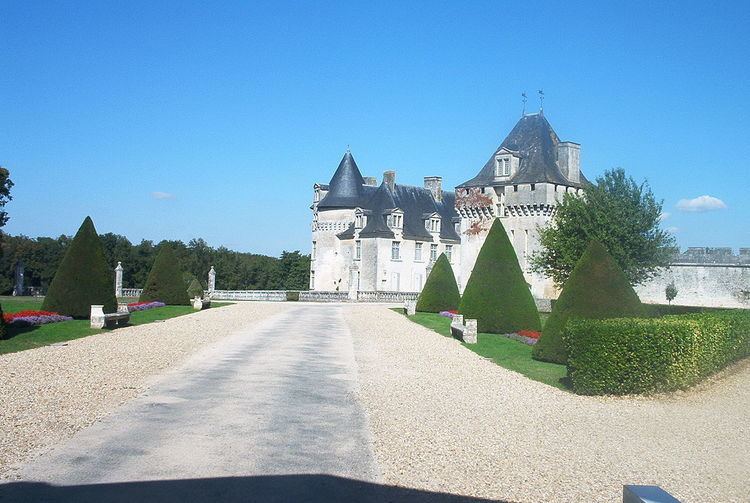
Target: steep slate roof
[
  {"x": 415, "y": 202},
  {"x": 536, "y": 143},
  {"x": 346, "y": 189}
]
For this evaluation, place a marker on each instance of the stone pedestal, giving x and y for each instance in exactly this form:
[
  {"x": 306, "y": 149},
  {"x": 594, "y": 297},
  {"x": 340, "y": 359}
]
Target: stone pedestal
[
  {"x": 19, "y": 288},
  {"x": 410, "y": 306},
  {"x": 118, "y": 280},
  {"x": 470, "y": 332},
  {"x": 211, "y": 280},
  {"x": 97, "y": 316}
]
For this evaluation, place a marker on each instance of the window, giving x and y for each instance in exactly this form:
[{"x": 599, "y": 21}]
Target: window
[
  {"x": 433, "y": 252},
  {"x": 449, "y": 252},
  {"x": 312, "y": 280},
  {"x": 357, "y": 250},
  {"x": 533, "y": 186},
  {"x": 502, "y": 166},
  {"x": 432, "y": 224},
  {"x": 395, "y": 221},
  {"x": 396, "y": 250},
  {"x": 515, "y": 188},
  {"x": 314, "y": 250},
  {"x": 316, "y": 198},
  {"x": 358, "y": 221},
  {"x": 417, "y": 252},
  {"x": 457, "y": 227}
]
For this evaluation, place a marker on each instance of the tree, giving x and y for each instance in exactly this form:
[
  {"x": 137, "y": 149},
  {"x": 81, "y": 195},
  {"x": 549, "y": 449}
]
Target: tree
[
  {"x": 195, "y": 289},
  {"x": 5, "y": 185},
  {"x": 83, "y": 277},
  {"x": 670, "y": 292},
  {"x": 597, "y": 288},
  {"x": 497, "y": 294},
  {"x": 164, "y": 282},
  {"x": 440, "y": 292},
  {"x": 620, "y": 214},
  {"x": 295, "y": 270}
]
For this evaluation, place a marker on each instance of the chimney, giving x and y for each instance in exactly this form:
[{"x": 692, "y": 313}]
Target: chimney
[
  {"x": 435, "y": 185},
  {"x": 569, "y": 160},
  {"x": 371, "y": 180},
  {"x": 389, "y": 178}
]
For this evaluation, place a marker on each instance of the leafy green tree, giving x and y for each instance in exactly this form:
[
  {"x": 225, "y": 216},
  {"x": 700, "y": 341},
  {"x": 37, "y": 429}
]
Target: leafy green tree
[
  {"x": 5, "y": 185},
  {"x": 165, "y": 282},
  {"x": 83, "y": 278},
  {"x": 670, "y": 292},
  {"x": 497, "y": 294},
  {"x": 597, "y": 288},
  {"x": 620, "y": 214},
  {"x": 295, "y": 270},
  {"x": 195, "y": 289},
  {"x": 440, "y": 292}
]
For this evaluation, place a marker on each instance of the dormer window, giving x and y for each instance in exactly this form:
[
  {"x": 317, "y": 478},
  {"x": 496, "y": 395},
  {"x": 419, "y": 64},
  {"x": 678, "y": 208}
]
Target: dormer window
[
  {"x": 396, "y": 220},
  {"x": 432, "y": 224},
  {"x": 502, "y": 166},
  {"x": 360, "y": 219}
]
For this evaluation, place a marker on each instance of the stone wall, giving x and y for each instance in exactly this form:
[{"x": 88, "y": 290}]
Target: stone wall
[{"x": 709, "y": 285}]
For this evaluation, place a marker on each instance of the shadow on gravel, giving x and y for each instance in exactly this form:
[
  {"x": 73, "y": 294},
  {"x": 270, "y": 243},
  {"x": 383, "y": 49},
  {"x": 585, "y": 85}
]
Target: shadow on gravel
[{"x": 271, "y": 488}]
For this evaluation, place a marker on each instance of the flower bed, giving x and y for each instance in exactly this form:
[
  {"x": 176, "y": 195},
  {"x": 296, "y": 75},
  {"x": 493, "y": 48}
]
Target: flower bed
[
  {"x": 448, "y": 314},
  {"x": 529, "y": 337},
  {"x": 144, "y": 306},
  {"x": 34, "y": 318}
]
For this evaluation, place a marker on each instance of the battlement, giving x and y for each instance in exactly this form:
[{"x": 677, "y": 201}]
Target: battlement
[{"x": 711, "y": 255}]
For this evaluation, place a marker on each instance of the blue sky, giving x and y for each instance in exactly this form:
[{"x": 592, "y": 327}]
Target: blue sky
[{"x": 199, "y": 119}]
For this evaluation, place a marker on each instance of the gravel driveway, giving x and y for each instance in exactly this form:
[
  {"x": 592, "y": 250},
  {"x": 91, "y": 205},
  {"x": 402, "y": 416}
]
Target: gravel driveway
[
  {"x": 445, "y": 419},
  {"x": 48, "y": 394}
]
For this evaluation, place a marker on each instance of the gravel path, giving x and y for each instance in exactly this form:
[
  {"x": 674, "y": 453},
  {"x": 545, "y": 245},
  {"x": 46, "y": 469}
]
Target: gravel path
[
  {"x": 48, "y": 394},
  {"x": 445, "y": 419}
]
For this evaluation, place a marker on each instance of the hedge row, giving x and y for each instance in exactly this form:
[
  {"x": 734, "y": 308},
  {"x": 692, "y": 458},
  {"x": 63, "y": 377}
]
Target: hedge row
[{"x": 647, "y": 355}]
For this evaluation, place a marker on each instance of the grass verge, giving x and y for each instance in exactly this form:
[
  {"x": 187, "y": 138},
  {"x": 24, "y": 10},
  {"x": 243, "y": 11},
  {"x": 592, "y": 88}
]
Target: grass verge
[
  {"x": 22, "y": 338},
  {"x": 508, "y": 353}
]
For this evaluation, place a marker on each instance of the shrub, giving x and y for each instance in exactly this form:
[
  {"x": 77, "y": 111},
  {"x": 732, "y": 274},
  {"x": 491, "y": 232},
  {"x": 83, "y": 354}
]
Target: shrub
[
  {"x": 83, "y": 278},
  {"x": 3, "y": 329},
  {"x": 646, "y": 355},
  {"x": 195, "y": 289},
  {"x": 497, "y": 294},
  {"x": 165, "y": 282},
  {"x": 292, "y": 296},
  {"x": 598, "y": 289},
  {"x": 670, "y": 292},
  {"x": 440, "y": 292}
]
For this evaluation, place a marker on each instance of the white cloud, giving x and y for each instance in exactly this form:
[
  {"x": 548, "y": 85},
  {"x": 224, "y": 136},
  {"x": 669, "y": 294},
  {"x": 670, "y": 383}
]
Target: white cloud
[
  {"x": 673, "y": 230},
  {"x": 665, "y": 215},
  {"x": 701, "y": 203},
  {"x": 162, "y": 195}
]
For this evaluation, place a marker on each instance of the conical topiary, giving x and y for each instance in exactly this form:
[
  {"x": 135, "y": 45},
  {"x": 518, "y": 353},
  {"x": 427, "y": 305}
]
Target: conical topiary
[
  {"x": 497, "y": 294},
  {"x": 164, "y": 282},
  {"x": 83, "y": 278},
  {"x": 440, "y": 292},
  {"x": 597, "y": 288},
  {"x": 195, "y": 289}
]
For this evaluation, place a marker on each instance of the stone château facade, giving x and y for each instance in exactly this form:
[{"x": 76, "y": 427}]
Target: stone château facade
[{"x": 385, "y": 237}]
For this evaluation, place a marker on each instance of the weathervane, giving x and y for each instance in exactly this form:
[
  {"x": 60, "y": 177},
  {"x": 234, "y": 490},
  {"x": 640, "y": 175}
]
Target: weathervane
[
  {"x": 541, "y": 100},
  {"x": 348, "y": 151},
  {"x": 523, "y": 99}
]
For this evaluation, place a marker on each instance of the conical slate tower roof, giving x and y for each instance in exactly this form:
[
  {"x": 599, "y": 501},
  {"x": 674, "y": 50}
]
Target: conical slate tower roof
[
  {"x": 534, "y": 140},
  {"x": 345, "y": 189}
]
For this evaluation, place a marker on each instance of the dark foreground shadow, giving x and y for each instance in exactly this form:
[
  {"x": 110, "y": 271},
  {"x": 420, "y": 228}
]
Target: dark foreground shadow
[{"x": 271, "y": 488}]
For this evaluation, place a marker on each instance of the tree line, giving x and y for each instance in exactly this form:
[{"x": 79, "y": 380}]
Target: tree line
[{"x": 234, "y": 270}]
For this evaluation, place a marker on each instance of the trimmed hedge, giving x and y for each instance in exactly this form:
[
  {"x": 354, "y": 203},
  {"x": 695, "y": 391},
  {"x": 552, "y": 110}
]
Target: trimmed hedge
[
  {"x": 596, "y": 289},
  {"x": 648, "y": 355},
  {"x": 440, "y": 292},
  {"x": 497, "y": 294},
  {"x": 195, "y": 289},
  {"x": 3, "y": 328},
  {"x": 292, "y": 296},
  {"x": 83, "y": 278},
  {"x": 165, "y": 281}
]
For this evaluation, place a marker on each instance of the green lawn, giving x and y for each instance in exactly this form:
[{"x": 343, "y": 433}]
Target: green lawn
[
  {"x": 510, "y": 354},
  {"x": 22, "y": 338}
]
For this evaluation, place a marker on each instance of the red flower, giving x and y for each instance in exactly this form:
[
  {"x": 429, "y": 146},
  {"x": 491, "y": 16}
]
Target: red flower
[
  {"x": 529, "y": 333},
  {"x": 8, "y": 317}
]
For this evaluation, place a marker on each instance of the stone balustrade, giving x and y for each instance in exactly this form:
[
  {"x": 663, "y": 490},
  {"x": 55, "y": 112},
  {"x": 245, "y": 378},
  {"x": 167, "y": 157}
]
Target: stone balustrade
[
  {"x": 316, "y": 296},
  {"x": 131, "y": 292}
]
